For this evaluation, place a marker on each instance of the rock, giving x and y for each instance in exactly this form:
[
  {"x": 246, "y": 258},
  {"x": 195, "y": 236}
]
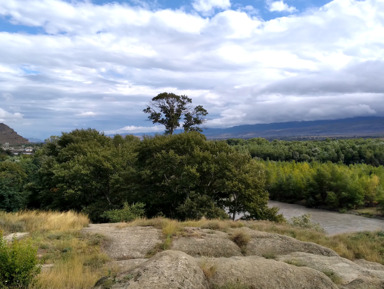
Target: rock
[
  {"x": 343, "y": 271},
  {"x": 205, "y": 242},
  {"x": 166, "y": 270},
  {"x": 258, "y": 272},
  {"x": 127, "y": 265},
  {"x": 267, "y": 244},
  {"x": 369, "y": 265},
  {"x": 15, "y": 236},
  {"x": 127, "y": 242}
]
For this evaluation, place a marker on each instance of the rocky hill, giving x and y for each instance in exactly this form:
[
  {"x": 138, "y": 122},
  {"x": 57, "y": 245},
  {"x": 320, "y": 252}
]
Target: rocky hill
[
  {"x": 8, "y": 135},
  {"x": 236, "y": 258}
]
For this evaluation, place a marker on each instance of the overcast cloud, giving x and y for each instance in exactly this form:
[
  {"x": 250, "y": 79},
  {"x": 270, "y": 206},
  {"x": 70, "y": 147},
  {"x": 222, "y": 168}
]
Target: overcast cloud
[{"x": 78, "y": 64}]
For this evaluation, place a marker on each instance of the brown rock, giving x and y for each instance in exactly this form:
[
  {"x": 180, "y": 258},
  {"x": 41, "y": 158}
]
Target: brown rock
[
  {"x": 127, "y": 242},
  {"x": 205, "y": 242},
  {"x": 166, "y": 270},
  {"x": 267, "y": 244},
  {"x": 258, "y": 272},
  {"x": 345, "y": 272}
]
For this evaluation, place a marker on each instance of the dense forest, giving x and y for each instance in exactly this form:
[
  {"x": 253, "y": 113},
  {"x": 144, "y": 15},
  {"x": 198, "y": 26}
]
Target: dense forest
[
  {"x": 181, "y": 176},
  {"x": 337, "y": 174},
  {"x": 185, "y": 176}
]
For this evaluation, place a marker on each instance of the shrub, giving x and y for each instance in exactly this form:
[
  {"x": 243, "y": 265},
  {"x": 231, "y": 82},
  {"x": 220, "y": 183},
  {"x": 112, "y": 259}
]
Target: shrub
[
  {"x": 241, "y": 239},
  {"x": 18, "y": 264},
  {"x": 126, "y": 214},
  {"x": 304, "y": 221}
]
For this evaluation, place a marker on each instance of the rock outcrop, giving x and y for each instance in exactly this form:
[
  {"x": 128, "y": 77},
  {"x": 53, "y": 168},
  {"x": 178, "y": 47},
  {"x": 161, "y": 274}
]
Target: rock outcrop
[{"x": 205, "y": 258}]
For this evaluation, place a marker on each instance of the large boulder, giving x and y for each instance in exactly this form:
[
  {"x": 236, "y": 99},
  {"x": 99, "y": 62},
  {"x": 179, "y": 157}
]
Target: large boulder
[
  {"x": 258, "y": 272},
  {"x": 127, "y": 242},
  {"x": 166, "y": 270},
  {"x": 346, "y": 273},
  {"x": 268, "y": 244},
  {"x": 205, "y": 242}
]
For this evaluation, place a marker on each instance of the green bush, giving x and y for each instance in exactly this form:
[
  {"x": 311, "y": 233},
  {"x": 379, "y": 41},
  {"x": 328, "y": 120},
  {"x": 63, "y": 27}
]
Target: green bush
[
  {"x": 126, "y": 214},
  {"x": 304, "y": 221},
  {"x": 18, "y": 264}
]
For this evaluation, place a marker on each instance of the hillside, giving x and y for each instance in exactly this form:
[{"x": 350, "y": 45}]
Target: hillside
[
  {"x": 339, "y": 128},
  {"x": 8, "y": 135}
]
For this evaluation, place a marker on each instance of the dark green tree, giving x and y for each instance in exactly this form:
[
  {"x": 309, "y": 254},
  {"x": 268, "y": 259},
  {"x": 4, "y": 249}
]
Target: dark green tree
[
  {"x": 169, "y": 109},
  {"x": 86, "y": 171}
]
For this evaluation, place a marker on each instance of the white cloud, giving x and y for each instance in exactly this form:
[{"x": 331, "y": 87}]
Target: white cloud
[
  {"x": 87, "y": 114},
  {"x": 280, "y": 6},
  {"x": 209, "y": 5},
  {"x": 99, "y": 65},
  {"x": 8, "y": 117},
  {"x": 131, "y": 129}
]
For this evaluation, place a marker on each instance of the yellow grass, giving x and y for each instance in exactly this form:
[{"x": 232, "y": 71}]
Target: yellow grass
[
  {"x": 32, "y": 221},
  {"x": 69, "y": 274},
  {"x": 77, "y": 259}
]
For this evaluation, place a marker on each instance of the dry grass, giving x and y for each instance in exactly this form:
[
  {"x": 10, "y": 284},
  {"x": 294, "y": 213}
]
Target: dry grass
[
  {"x": 70, "y": 273},
  {"x": 76, "y": 257},
  {"x": 241, "y": 239},
  {"x": 32, "y": 221},
  {"x": 208, "y": 268}
]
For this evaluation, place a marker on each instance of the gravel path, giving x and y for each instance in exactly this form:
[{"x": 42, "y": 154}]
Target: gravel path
[{"x": 332, "y": 222}]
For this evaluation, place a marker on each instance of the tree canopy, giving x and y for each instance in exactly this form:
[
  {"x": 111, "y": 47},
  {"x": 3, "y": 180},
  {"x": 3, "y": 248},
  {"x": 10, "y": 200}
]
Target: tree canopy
[{"x": 169, "y": 109}]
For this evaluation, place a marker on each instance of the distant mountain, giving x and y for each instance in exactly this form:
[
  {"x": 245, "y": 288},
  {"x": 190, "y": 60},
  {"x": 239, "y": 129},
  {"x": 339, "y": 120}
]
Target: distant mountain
[
  {"x": 8, "y": 135},
  {"x": 339, "y": 128}
]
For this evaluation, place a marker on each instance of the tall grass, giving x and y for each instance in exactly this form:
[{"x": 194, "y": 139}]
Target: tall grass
[
  {"x": 77, "y": 259},
  {"x": 31, "y": 221}
]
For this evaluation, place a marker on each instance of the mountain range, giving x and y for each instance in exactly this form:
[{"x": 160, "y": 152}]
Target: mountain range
[{"x": 339, "y": 128}]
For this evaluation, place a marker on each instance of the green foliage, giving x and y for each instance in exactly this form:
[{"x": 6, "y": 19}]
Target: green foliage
[
  {"x": 185, "y": 176},
  {"x": 168, "y": 109},
  {"x": 18, "y": 264},
  {"x": 327, "y": 185},
  {"x": 126, "y": 214},
  {"x": 347, "y": 151},
  {"x": 305, "y": 222},
  {"x": 12, "y": 179},
  {"x": 87, "y": 171}
]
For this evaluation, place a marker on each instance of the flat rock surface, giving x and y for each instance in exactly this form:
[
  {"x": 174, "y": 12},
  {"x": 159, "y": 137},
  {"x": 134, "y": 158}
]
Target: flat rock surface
[
  {"x": 16, "y": 236},
  {"x": 346, "y": 271},
  {"x": 126, "y": 242},
  {"x": 166, "y": 270},
  {"x": 205, "y": 258},
  {"x": 268, "y": 244},
  {"x": 205, "y": 242},
  {"x": 257, "y": 272}
]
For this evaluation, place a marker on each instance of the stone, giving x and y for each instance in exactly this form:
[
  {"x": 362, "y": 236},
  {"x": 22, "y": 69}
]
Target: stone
[{"x": 166, "y": 270}]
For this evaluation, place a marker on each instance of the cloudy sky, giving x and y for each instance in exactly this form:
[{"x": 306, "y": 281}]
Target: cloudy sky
[{"x": 67, "y": 64}]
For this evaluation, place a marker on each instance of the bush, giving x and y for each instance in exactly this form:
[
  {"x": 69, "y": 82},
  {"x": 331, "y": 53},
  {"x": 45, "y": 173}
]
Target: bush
[
  {"x": 126, "y": 214},
  {"x": 304, "y": 221},
  {"x": 18, "y": 264}
]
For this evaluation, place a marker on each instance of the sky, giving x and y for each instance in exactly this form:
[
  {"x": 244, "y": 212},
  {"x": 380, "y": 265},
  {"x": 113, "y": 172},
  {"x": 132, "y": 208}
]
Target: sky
[{"x": 68, "y": 64}]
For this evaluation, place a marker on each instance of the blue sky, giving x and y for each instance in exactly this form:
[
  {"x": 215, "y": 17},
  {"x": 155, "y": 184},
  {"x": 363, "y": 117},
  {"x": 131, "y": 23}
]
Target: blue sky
[{"x": 97, "y": 64}]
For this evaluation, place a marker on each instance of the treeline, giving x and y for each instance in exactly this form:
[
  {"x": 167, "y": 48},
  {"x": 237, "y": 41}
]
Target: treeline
[
  {"x": 326, "y": 185},
  {"x": 346, "y": 151},
  {"x": 335, "y": 174},
  {"x": 180, "y": 176}
]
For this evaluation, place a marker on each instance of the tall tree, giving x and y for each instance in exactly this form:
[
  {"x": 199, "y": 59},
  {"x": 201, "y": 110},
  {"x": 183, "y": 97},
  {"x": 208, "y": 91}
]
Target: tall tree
[{"x": 168, "y": 109}]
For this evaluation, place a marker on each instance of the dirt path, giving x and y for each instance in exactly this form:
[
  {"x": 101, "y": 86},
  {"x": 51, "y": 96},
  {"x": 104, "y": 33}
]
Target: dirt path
[{"x": 332, "y": 222}]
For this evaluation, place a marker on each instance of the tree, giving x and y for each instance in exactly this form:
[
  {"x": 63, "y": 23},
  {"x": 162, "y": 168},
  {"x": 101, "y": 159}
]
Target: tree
[
  {"x": 86, "y": 171},
  {"x": 168, "y": 109}
]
